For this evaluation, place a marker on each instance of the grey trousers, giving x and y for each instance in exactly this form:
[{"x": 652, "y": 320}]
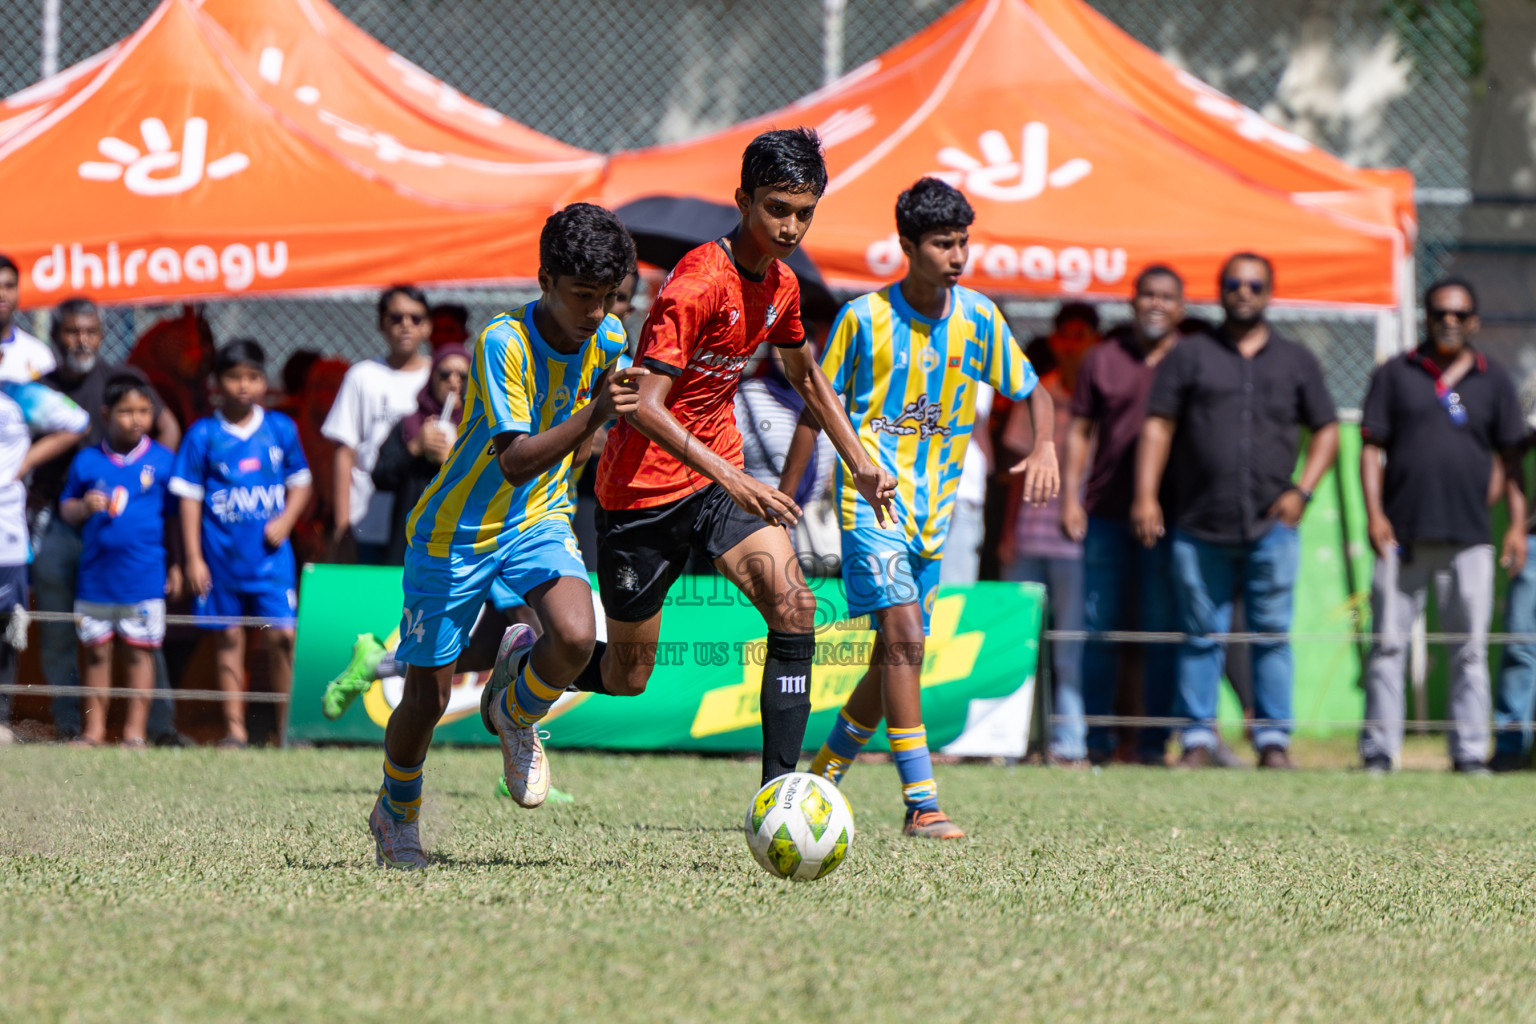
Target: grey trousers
[{"x": 1463, "y": 582}]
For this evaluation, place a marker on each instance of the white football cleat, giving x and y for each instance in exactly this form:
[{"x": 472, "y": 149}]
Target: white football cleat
[{"x": 397, "y": 844}]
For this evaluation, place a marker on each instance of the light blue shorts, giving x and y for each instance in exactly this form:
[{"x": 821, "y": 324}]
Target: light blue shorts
[
  {"x": 882, "y": 569},
  {"x": 443, "y": 596}
]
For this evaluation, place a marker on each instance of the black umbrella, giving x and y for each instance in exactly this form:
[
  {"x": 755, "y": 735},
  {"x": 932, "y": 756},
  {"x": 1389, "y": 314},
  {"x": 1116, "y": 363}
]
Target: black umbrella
[{"x": 667, "y": 227}]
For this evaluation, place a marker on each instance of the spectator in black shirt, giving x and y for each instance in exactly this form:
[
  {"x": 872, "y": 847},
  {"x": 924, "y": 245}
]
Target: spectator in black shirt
[
  {"x": 1433, "y": 419},
  {"x": 1224, "y": 417}
]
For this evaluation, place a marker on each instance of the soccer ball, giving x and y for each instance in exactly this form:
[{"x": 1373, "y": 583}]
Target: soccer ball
[{"x": 799, "y": 827}]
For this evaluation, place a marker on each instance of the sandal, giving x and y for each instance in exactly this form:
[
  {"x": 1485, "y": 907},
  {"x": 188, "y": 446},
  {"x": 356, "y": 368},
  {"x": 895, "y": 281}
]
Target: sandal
[
  {"x": 230, "y": 743},
  {"x": 134, "y": 745},
  {"x": 82, "y": 741}
]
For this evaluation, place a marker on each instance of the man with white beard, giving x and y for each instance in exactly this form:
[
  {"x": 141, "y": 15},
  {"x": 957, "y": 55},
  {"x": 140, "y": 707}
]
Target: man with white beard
[{"x": 81, "y": 375}]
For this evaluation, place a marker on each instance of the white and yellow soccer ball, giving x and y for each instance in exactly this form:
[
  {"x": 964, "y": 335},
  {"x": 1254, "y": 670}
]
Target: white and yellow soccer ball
[{"x": 799, "y": 827}]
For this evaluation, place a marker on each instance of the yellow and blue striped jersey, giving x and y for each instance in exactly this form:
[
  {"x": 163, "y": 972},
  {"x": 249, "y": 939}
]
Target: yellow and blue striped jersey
[
  {"x": 909, "y": 384},
  {"x": 517, "y": 384}
]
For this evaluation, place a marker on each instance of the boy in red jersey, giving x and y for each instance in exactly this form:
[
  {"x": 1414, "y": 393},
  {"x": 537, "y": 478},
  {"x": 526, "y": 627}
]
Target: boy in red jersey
[{"x": 671, "y": 478}]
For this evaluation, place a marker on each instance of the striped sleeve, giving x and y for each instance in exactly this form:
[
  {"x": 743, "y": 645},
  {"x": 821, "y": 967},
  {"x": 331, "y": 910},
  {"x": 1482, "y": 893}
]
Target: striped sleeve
[
  {"x": 505, "y": 379},
  {"x": 841, "y": 358},
  {"x": 1008, "y": 370}
]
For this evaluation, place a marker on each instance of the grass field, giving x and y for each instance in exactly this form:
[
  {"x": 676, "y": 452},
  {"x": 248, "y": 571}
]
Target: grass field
[{"x": 204, "y": 885}]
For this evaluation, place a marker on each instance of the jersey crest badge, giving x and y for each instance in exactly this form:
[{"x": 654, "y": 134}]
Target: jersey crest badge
[
  {"x": 276, "y": 455},
  {"x": 146, "y": 478},
  {"x": 773, "y": 314}
]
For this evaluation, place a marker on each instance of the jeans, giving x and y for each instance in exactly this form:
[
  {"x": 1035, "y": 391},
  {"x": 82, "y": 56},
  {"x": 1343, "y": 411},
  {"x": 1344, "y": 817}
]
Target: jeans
[
  {"x": 1206, "y": 576},
  {"x": 1063, "y": 579},
  {"x": 1463, "y": 581},
  {"x": 962, "y": 548},
  {"x": 1120, "y": 576},
  {"x": 53, "y": 585},
  {"x": 1516, "y": 701}
]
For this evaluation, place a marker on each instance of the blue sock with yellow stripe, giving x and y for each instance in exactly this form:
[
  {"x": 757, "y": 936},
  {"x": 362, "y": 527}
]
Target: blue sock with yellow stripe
[
  {"x": 843, "y": 745},
  {"x": 401, "y": 791},
  {"x": 529, "y": 698},
  {"x": 909, "y": 749}
]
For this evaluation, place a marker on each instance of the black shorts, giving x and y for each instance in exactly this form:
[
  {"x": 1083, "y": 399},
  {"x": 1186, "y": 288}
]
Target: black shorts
[{"x": 642, "y": 551}]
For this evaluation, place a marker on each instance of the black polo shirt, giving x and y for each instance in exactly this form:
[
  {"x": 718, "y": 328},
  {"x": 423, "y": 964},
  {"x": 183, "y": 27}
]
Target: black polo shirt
[
  {"x": 1436, "y": 484},
  {"x": 1236, "y": 432}
]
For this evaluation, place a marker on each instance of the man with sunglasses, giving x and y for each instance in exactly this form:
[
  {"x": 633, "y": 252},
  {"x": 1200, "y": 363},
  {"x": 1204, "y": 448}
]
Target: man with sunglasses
[
  {"x": 1224, "y": 417},
  {"x": 375, "y": 395},
  {"x": 1433, "y": 419}
]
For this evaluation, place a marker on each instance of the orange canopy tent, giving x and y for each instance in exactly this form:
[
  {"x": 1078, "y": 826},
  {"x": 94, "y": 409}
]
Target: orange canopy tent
[
  {"x": 184, "y": 163},
  {"x": 1085, "y": 156}
]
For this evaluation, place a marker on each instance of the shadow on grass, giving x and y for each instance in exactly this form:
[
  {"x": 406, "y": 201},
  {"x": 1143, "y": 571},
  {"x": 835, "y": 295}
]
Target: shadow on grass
[{"x": 643, "y": 827}]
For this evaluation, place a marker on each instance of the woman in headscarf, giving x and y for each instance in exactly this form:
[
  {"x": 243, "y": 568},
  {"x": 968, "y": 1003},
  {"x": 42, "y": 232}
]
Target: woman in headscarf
[{"x": 419, "y": 443}]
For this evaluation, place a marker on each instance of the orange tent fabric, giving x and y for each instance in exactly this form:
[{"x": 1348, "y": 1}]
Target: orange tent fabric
[
  {"x": 1083, "y": 164},
  {"x": 179, "y": 165}
]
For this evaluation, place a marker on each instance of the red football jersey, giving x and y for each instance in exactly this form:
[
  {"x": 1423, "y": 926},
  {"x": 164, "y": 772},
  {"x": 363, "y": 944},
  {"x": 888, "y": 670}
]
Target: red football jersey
[{"x": 707, "y": 321}]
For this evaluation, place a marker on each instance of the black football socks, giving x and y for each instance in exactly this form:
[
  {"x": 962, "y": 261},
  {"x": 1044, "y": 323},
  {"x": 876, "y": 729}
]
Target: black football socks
[{"x": 786, "y": 700}]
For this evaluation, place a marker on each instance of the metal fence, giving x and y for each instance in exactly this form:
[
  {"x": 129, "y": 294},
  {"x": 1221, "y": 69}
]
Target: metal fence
[{"x": 1382, "y": 82}]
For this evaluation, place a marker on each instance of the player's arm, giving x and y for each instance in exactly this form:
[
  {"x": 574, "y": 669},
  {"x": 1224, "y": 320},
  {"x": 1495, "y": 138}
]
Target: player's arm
[
  {"x": 653, "y": 419},
  {"x": 1151, "y": 460},
  {"x": 801, "y": 446},
  {"x": 1042, "y": 477},
  {"x": 805, "y": 375},
  {"x": 198, "y": 578},
  {"x": 524, "y": 456},
  {"x": 46, "y": 449}
]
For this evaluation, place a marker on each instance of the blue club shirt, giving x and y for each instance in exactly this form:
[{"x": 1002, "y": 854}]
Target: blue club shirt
[
  {"x": 122, "y": 560},
  {"x": 241, "y": 474}
]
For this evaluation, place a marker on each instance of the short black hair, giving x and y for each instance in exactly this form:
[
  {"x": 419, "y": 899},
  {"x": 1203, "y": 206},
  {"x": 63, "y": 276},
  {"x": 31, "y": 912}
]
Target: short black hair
[
  {"x": 457, "y": 310},
  {"x": 1442, "y": 283},
  {"x": 75, "y": 305},
  {"x": 295, "y": 372},
  {"x": 237, "y": 353},
  {"x": 1081, "y": 312},
  {"x": 787, "y": 159},
  {"x": 931, "y": 205},
  {"x": 6, "y": 263},
  {"x": 1226, "y": 266},
  {"x": 410, "y": 291},
  {"x": 125, "y": 383},
  {"x": 587, "y": 241},
  {"x": 1157, "y": 270}
]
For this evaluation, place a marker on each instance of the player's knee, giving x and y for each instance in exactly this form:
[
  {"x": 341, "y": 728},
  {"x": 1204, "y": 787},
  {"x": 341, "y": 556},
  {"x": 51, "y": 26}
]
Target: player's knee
[
  {"x": 280, "y": 640},
  {"x": 571, "y": 641},
  {"x": 794, "y": 612},
  {"x": 627, "y": 668}
]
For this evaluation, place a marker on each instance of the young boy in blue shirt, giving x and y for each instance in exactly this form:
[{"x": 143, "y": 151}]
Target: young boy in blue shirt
[
  {"x": 243, "y": 483},
  {"x": 117, "y": 492}
]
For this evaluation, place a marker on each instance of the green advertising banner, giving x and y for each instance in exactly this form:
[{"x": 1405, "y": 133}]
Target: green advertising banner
[{"x": 703, "y": 695}]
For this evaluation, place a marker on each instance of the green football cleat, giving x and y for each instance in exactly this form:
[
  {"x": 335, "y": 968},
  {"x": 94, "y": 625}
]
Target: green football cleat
[
  {"x": 355, "y": 679},
  {"x": 556, "y": 796}
]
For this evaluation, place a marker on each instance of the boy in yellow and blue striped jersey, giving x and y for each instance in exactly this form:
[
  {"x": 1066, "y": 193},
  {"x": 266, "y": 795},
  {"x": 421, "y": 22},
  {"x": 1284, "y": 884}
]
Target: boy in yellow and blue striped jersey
[
  {"x": 908, "y": 360},
  {"x": 541, "y": 383}
]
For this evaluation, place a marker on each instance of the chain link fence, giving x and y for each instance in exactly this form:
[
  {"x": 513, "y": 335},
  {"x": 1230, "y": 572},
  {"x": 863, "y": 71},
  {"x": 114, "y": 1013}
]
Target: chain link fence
[{"x": 1379, "y": 82}]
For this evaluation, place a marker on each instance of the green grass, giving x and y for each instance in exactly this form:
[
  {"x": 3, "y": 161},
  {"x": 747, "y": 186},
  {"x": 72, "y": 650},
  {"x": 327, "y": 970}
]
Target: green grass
[{"x": 204, "y": 885}]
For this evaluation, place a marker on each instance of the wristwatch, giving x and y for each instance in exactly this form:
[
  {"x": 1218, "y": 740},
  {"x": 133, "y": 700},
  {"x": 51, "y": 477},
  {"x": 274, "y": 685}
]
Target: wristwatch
[{"x": 1306, "y": 495}]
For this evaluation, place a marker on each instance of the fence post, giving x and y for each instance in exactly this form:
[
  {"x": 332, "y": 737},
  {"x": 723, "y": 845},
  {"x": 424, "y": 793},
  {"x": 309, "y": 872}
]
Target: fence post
[
  {"x": 832, "y": 12},
  {"x": 49, "y": 58}
]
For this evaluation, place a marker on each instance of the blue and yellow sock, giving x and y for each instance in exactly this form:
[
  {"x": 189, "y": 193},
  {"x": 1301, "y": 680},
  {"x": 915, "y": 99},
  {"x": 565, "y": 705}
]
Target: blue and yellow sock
[
  {"x": 401, "y": 791},
  {"x": 529, "y": 698},
  {"x": 843, "y": 744},
  {"x": 909, "y": 749}
]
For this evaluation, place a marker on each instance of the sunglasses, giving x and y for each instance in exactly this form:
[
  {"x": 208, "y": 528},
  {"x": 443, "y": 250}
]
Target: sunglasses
[
  {"x": 1461, "y": 316},
  {"x": 451, "y": 374},
  {"x": 396, "y": 319},
  {"x": 1237, "y": 284}
]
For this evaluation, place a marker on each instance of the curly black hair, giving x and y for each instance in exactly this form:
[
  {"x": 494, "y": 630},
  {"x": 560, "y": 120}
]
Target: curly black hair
[
  {"x": 586, "y": 241},
  {"x": 787, "y": 159},
  {"x": 124, "y": 383},
  {"x": 931, "y": 204}
]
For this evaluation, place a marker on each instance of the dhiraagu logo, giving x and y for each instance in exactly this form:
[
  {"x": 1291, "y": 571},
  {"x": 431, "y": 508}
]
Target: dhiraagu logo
[
  {"x": 159, "y": 169},
  {"x": 948, "y": 656}
]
